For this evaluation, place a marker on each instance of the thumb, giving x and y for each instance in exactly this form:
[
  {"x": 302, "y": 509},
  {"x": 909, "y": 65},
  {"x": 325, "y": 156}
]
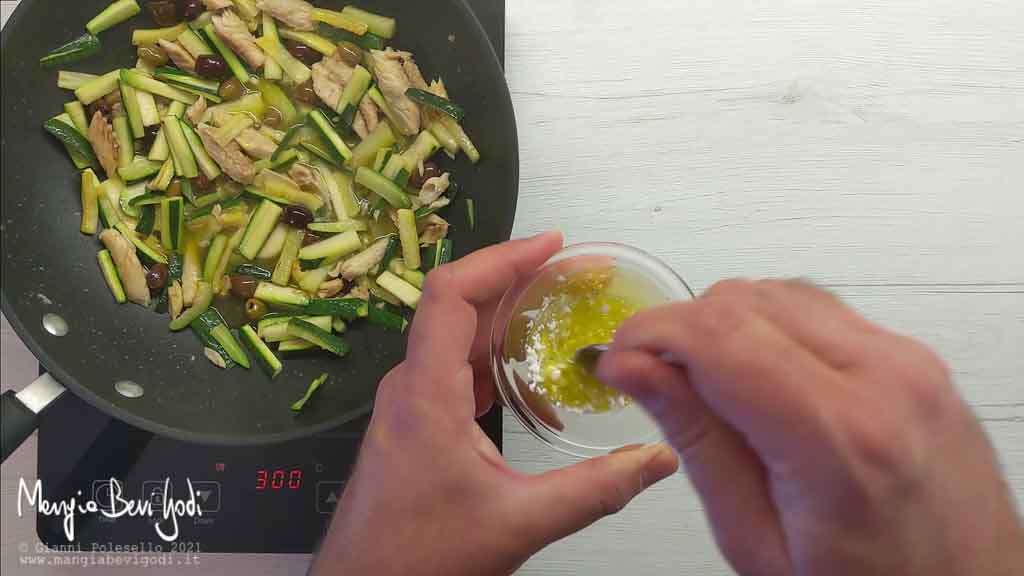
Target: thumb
[{"x": 559, "y": 503}]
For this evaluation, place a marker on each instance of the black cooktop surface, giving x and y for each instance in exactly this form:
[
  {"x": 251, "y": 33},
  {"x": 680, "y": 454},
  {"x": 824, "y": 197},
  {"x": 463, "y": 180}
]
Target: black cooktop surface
[{"x": 260, "y": 499}]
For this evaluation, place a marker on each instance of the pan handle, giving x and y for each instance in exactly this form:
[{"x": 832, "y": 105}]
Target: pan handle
[{"x": 20, "y": 414}]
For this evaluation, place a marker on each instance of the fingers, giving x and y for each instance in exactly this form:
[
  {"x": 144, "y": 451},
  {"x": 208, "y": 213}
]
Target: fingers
[
  {"x": 446, "y": 321},
  {"x": 807, "y": 314},
  {"x": 764, "y": 384},
  {"x": 556, "y": 504},
  {"x": 725, "y": 472}
]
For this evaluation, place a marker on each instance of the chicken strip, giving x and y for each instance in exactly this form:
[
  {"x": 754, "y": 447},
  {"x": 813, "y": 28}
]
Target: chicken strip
[
  {"x": 330, "y": 289},
  {"x": 393, "y": 82},
  {"x": 177, "y": 53},
  {"x": 329, "y": 78},
  {"x": 236, "y": 33},
  {"x": 297, "y": 14},
  {"x": 196, "y": 111},
  {"x": 432, "y": 228},
  {"x": 230, "y": 158},
  {"x": 367, "y": 118},
  {"x": 302, "y": 175},
  {"x": 434, "y": 187},
  {"x": 412, "y": 71},
  {"x": 133, "y": 275},
  {"x": 217, "y": 4},
  {"x": 362, "y": 262},
  {"x": 104, "y": 143},
  {"x": 256, "y": 144}
]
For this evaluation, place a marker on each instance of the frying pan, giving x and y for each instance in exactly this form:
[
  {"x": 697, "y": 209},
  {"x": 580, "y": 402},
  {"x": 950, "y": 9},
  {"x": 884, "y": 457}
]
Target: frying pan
[{"x": 50, "y": 272}]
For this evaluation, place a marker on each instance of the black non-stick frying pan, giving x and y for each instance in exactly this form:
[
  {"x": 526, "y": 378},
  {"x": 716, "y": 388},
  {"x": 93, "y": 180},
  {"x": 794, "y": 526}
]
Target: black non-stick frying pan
[{"x": 49, "y": 268}]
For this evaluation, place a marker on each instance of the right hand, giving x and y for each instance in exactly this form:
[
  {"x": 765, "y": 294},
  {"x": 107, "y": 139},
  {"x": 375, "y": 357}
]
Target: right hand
[{"x": 819, "y": 442}]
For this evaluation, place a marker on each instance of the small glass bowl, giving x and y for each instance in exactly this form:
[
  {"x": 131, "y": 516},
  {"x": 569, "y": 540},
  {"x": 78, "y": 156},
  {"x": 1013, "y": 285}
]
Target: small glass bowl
[{"x": 584, "y": 434}]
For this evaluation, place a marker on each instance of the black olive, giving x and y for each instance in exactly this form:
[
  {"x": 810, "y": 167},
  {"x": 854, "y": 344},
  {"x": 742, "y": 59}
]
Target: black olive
[
  {"x": 304, "y": 53},
  {"x": 430, "y": 170},
  {"x": 243, "y": 286},
  {"x": 164, "y": 12},
  {"x": 211, "y": 66},
  {"x": 297, "y": 216},
  {"x": 192, "y": 9},
  {"x": 156, "y": 277}
]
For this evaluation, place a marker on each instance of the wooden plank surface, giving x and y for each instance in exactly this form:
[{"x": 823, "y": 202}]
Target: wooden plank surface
[{"x": 876, "y": 148}]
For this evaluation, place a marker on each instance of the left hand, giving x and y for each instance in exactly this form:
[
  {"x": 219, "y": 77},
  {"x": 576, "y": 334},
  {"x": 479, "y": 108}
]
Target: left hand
[{"x": 430, "y": 493}]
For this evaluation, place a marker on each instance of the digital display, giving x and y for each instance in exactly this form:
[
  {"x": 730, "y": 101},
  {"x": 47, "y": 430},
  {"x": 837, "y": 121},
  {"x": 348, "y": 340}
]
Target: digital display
[{"x": 274, "y": 479}]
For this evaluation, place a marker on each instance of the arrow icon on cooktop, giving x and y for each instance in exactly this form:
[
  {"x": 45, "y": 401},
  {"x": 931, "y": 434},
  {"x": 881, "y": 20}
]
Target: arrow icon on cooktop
[
  {"x": 332, "y": 499},
  {"x": 204, "y": 495}
]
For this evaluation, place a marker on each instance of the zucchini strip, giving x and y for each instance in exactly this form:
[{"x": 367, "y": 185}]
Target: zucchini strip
[
  {"x": 113, "y": 15},
  {"x": 78, "y": 49},
  {"x": 271, "y": 69},
  {"x": 382, "y": 26},
  {"x": 203, "y": 299},
  {"x": 437, "y": 103},
  {"x": 289, "y": 255},
  {"x": 141, "y": 37},
  {"x": 69, "y": 80},
  {"x": 90, "y": 202},
  {"x": 98, "y": 87},
  {"x": 409, "y": 237},
  {"x": 301, "y": 402},
  {"x": 293, "y": 67},
  {"x": 340, "y": 21},
  {"x": 236, "y": 66},
  {"x": 109, "y": 270}
]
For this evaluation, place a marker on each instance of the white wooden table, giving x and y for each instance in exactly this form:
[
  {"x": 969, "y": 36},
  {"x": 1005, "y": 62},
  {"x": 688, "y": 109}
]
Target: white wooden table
[{"x": 874, "y": 147}]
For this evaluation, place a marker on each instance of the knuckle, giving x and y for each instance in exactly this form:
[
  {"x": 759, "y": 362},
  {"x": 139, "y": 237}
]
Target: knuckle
[
  {"x": 730, "y": 288},
  {"x": 926, "y": 381},
  {"x": 717, "y": 320}
]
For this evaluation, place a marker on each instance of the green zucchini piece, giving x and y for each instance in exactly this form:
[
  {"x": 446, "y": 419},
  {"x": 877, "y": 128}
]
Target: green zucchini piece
[
  {"x": 68, "y": 80},
  {"x": 354, "y": 90},
  {"x": 220, "y": 241},
  {"x": 125, "y": 143},
  {"x": 262, "y": 223},
  {"x": 280, "y": 295},
  {"x": 436, "y": 102},
  {"x": 205, "y": 163},
  {"x": 366, "y": 151},
  {"x": 181, "y": 79},
  {"x": 130, "y": 101},
  {"x": 147, "y": 220},
  {"x": 137, "y": 79},
  {"x": 236, "y": 66},
  {"x": 213, "y": 323},
  {"x": 184, "y": 159},
  {"x": 163, "y": 177},
  {"x": 461, "y": 137},
  {"x": 286, "y": 142},
  {"x": 337, "y": 246},
  {"x": 299, "y": 404},
  {"x": 172, "y": 222},
  {"x": 203, "y": 299},
  {"x": 276, "y": 330},
  {"x": 330, "y": 135},
  {"x": 338, "y": 227},
  {"x": 386, "y": 319},
  {"x": 90, "y": 202},
  {"x": 73, "y": 140},
  {"x": 442, "y": 252},
  {"x": 422, "y": 148},
  {"x": 367, "y": 41},
  {"x": 289, "y": 255},
  {"x": 129, "y": 193},
  {"x": 320, "y": 153},
  {"x": 347, "y": 308},
  {"x": 407, "y": 293},
  {"x": 147, "y": 199},
  {"x": 78, "y": 49},
  {"x": 253, "y": 270},
  {"x": 139, "y": 168},
  {"x": 109, "y": 270},
  {"x": 271, "y": 69},
  {"x": 147, "y": 108},
  {"x": 113, "y": 15},
  {"x": 275, "y": 98},
  {"x": 414, "y": 277},
  {"x": 143, "y": 36},
  {"x": 410, "y": 238},
  {"x": 298, "y": 328},
  {"x": 382, "y": 26},
  {"x": 471, "y": 213},
  {"x": 147, "y": 253},
  {"x": 195, "y": 45},
  {"x": 261, "y": 351},
  {"x": 95, "y": 89},
  {"x": 382, "y": 187},
  {"x": 293, "y": 67}
]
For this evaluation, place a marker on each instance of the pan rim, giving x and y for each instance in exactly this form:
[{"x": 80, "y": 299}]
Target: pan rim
[{"x": 216, "y": 439}]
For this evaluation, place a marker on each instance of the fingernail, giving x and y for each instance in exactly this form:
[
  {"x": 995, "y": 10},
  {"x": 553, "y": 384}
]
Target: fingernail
[
  {"x": 661, "y": 464},
  {"x": 627, "y": 448}
]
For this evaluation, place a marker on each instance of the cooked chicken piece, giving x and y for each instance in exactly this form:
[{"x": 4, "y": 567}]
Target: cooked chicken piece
[
  {"x": 236, "y": 33},
  {"x": 434, "y": 187},
  {"x": 437, "y": 87},
  {"x": 177, "y": 53},
  {"x": 412, "y": 71},
  {"x": 275, "y": 135},
  {"x": 195, "y": 111},
  {"x": 256, "y": 144},
  {"x": 330, "y": 289},
  {"x": 217, "y": 4},
  {"x": 393, "y": 82},
  {"x": 104, "y": 143},
  {"x": 175, "y": 299},
  {"x": 367, "y": 118},
  {"x": 133, "y": 275},
  {"x": 230, "y": 158},
  {"x": 215, "y": 358},
  {"x": 432, "y": 228},
  {"x": 329, "y": 78},
  {"x": 297, "y": 14},
  {"x": 303, "y": 176},
  {"x": 361, "y": 292},
  {"x": 362, "y": 262}
]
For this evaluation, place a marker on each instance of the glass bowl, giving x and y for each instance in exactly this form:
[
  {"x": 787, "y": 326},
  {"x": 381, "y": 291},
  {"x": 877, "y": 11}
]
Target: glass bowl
[{"x": 571, "y": 430}]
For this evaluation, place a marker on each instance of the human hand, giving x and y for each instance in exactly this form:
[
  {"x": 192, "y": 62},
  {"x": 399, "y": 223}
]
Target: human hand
[
  {"x": 430, "y": 493},
  {"x": 819, "y": 442}
]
